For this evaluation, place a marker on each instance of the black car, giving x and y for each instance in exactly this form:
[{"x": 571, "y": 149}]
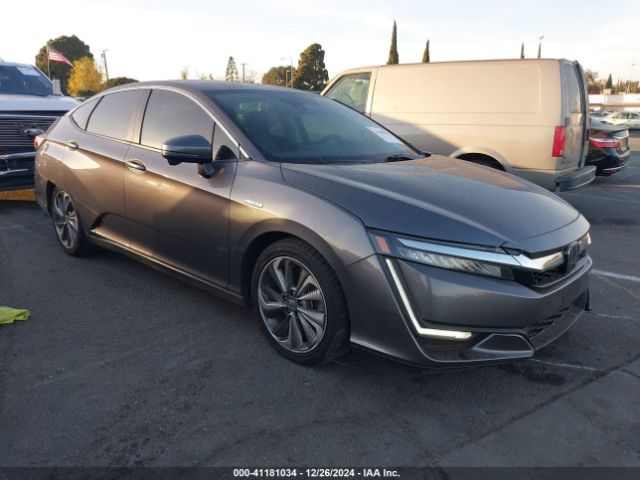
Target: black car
[{"x": 608, "y": 148}]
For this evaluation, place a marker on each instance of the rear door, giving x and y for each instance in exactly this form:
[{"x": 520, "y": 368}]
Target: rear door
[
  {"x": 574, "y": 107},
  {"x": 95, "y": 155}
]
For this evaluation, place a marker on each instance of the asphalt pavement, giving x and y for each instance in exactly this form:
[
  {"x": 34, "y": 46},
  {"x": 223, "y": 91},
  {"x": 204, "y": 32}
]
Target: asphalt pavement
[{"x": 124, "y": 365}]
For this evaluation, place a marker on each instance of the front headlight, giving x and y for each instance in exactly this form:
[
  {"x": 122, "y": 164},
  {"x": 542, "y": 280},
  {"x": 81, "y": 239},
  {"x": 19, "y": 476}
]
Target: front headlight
[{"x": 470, "y": 260}]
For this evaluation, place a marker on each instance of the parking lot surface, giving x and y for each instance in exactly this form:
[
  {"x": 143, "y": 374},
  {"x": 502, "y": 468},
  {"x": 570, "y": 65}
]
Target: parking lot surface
[{"x": 123, "y": 365}]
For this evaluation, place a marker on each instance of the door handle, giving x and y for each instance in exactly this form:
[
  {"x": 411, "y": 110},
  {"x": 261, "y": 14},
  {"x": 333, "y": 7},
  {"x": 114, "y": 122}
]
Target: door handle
[
  {"x": 72, "y": 144},
  {"x": 136, "y": 166}
]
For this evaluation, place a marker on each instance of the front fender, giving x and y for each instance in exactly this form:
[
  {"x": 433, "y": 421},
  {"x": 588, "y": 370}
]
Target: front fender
[{"x": 263, "y": 204}]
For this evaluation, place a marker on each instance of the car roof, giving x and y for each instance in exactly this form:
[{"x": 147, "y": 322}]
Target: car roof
[
  {"x": 204, "y": 86},
  {"x": 14, "y": 64}
]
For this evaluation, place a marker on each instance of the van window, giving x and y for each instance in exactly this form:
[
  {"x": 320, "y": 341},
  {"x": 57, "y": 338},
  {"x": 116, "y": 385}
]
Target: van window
[{"x": 352, "y": 90}]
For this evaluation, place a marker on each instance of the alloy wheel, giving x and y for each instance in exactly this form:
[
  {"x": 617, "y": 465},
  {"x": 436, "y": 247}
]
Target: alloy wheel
[
  {"x": 65, "y": 218},
  {"x": 292, "y": 304}
]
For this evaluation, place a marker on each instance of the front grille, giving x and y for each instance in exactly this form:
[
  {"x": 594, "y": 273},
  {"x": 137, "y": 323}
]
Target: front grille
[
  {"x": 13, "y": 132},
  {"x": 545, "y": 278}
]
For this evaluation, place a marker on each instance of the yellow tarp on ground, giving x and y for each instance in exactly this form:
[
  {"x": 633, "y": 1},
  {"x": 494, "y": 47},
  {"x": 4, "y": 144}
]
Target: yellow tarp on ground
[{"x": 10, "y": 315}]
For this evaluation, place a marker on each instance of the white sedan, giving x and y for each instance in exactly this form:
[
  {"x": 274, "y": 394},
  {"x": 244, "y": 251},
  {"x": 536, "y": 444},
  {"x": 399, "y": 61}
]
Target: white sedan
[{"x": 630, "y": 119}]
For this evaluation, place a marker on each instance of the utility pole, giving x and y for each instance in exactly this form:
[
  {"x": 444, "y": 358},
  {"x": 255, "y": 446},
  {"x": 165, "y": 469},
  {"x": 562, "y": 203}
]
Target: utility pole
[
  {"x": 540, "y": 46},
  {"x": 290, "y": 72},
  {"x": 104, "y": 60},
  {"x": 629, "y": 82},
  {"x": 243, "y": 64}
]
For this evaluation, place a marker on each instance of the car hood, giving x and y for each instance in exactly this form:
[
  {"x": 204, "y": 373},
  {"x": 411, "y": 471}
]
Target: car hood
[
  {"x": 438, "y": 198},
  {"x": 55, "y": 103}
]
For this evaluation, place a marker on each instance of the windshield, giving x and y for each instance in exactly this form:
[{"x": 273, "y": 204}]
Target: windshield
[
  {"x": 296, "y": 127},
  {"x": 24, "y": 80}
]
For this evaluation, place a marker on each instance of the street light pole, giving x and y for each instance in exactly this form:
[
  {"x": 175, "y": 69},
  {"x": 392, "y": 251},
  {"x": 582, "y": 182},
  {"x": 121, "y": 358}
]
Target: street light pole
[
  {"x": 243, "y": 64},
  {"x": 290, "y": 72},
  {"x": 629, "y": 82},
  {"x": 104, "y": 60},
  {"x": 540, "y": 46}
]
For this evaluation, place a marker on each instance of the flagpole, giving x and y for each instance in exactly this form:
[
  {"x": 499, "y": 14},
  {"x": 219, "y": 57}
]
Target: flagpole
[{"x": 48, "y": 67}]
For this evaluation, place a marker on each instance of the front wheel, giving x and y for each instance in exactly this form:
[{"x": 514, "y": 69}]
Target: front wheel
[{"x": 299, "y": 303}]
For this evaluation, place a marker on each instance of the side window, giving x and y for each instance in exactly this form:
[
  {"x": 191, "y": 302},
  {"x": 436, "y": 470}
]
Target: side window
[
  {"x": 574, "y": 99},
  {"x": 82, "y": 113},
  {"x": 171, "y": 114},
  {"x": 114, "y": 114},
  {"x": 352, "y": 90}
]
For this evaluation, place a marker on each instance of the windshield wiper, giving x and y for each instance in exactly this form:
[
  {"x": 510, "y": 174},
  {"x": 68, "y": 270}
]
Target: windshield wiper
[
  {"x": 401, "y": 157},
  {"x": 398, "y": 158}
]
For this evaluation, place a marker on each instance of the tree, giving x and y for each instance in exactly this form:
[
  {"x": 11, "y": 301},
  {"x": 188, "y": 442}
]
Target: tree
[
  {"x": 609, "y": 83},
  {"x": 522, "y": 51},
  {"x": 232, "y": 71},
  {"x": 276, "y": 76},
  {"x": 311, "y": 73},
  {"x": 594, "y": 84},
  {"x": 85, "y": 79},
  {"x": 184, "y": 73},
  {"x": 426, "y": 58},
  {"x": 114, "y": 82},
  {"x": 393, "y": 51},
  {"x": 72, "y": 48}
]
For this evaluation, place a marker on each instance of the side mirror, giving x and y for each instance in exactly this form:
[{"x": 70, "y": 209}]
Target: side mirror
[{"x": 187, "y": 149}]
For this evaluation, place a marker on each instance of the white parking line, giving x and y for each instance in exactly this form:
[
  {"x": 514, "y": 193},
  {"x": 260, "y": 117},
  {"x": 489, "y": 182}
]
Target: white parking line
[
  {"x": 23, "y": 225},
  {"x": 619, "y": 276},
  {"x": 565, "y": 365}
]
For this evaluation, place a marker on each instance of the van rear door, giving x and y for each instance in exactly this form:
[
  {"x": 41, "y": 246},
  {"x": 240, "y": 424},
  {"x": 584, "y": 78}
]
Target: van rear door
[{"x": 575, "y": 114}]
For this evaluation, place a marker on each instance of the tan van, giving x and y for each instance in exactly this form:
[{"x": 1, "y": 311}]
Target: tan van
[{"x": 527, "y": 117}]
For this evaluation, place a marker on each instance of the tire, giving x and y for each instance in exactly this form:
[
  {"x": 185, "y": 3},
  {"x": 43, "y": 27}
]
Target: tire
[
  {"x": 67, "y": 224},
  {"x": 306, "y": 322}
]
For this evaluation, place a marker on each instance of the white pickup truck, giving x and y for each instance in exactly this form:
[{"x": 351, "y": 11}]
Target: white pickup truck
[{"x": 28, "y": 107}]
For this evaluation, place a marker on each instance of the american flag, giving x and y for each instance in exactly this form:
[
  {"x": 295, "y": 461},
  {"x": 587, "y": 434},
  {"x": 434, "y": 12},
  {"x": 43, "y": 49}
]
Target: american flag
[{"x": 56, "y": 56}]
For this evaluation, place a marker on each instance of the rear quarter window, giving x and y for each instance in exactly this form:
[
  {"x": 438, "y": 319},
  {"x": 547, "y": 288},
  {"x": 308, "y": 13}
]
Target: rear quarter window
[
  {"x": 83, "y": 112},
  {"x": 114, "y": 114}
]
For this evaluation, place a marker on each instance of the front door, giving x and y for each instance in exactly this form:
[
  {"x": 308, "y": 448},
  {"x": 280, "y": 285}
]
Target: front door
[{"x": 177, "y": 216}]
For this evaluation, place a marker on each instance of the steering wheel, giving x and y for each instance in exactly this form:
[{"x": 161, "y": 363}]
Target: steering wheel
[{"x": 346, "y": 98}]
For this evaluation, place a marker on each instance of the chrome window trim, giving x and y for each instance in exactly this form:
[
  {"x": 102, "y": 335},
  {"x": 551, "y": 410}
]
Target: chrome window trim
[
  {"x": 422, "y": 331},
  {"x": 520, "y": 261},
  {"x": 190, "y": 97}
]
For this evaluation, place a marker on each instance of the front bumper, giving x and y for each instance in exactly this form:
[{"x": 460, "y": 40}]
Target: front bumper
[
  {"x": 507, "y": 320},
  {"x": 16, "y": 170}
]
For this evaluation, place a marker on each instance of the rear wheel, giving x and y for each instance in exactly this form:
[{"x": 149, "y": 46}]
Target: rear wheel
[
  {"x": 66, "y": 223},
  {"x": 299, "y": 303}
]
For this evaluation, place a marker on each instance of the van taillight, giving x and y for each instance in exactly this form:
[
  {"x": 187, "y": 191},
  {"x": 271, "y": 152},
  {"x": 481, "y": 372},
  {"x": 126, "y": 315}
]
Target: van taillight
[
  {"x": 558, "y": 142},
  {"x": 37, "y": 141}
]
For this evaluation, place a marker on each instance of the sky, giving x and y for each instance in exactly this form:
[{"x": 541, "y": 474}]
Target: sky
[{"x": 149, "y": 40}]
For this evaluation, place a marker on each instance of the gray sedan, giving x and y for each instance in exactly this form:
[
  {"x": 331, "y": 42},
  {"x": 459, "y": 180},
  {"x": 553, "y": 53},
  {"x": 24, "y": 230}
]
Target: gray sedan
[{"x": 333, "y": 229}]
